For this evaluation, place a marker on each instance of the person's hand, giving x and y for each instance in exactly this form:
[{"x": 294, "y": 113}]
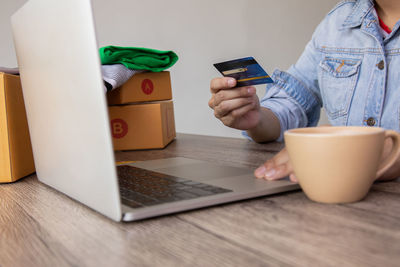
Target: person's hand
[
  {"x": 237, "y": 108},
  {"x": 276, "y": 168}
]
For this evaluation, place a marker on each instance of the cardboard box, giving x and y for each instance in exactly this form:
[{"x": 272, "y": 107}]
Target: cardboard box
[
  {"x": 142, "y": 87},
  {"x": 142, "y": 126},
  {"x": 16, "y": 159}
]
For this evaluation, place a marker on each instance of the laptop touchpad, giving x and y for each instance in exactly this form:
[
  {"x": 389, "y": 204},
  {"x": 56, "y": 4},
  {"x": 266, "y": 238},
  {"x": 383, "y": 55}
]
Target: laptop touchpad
[{"x": 203, "y": 171}]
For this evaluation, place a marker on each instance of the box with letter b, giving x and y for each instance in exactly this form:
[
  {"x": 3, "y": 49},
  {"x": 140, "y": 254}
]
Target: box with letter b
[
  {"x": 142, "y": 126},
  {"x": 16, "y": 159}
]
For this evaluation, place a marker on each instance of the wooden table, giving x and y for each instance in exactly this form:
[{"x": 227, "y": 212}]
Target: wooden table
[{"x": 41, "y": 227}]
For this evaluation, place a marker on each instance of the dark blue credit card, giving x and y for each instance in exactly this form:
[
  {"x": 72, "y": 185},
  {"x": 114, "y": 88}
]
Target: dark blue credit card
[{"x": 246, "y": 71}]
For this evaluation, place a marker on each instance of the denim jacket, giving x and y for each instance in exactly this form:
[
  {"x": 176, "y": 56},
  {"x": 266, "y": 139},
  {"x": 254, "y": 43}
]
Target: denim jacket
[{"x": 348, "y": 68}]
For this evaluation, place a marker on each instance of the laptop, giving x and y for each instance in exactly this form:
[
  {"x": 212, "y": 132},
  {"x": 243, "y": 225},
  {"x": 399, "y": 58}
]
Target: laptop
[{"x": 67, "y": 115}]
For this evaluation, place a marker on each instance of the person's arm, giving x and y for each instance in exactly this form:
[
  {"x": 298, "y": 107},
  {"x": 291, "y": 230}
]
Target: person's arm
[
  {"x": 268, "y": 129},
  {"x": 300, "y": 83}
]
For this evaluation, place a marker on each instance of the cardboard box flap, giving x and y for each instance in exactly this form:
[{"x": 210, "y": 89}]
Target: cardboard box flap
[
  {"x": 19, "y": 139},
  {"x": 5, "y": 163},
  {"x": 16, "y": 159}
]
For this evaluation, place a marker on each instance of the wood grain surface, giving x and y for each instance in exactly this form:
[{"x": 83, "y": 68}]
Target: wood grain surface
[{"x": 42, "y": 227}]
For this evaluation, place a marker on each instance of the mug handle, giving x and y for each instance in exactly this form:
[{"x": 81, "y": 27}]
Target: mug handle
[{"x": 394, "y": 153}]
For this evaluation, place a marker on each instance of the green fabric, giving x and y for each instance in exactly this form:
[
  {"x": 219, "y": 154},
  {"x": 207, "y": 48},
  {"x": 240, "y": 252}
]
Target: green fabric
[{"x": 137, "y": 58}]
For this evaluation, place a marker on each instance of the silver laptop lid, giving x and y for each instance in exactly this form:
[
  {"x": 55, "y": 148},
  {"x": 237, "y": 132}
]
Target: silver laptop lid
[{"x": 67, "y": 115}]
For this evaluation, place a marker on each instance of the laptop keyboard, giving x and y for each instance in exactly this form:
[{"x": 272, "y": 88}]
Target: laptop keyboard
[{"x": 141, "y": 187}]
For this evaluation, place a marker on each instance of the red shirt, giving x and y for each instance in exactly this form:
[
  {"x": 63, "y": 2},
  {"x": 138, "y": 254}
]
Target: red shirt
[{"x": 384, "y": 26}]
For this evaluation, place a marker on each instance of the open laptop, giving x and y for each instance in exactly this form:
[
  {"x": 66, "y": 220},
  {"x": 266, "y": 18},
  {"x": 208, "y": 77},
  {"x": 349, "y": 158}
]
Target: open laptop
[{"x": 62, "y": 84}]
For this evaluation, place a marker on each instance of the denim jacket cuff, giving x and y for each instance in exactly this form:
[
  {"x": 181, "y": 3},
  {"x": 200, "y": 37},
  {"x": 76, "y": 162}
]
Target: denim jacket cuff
[{"x": 298, "y": 91}]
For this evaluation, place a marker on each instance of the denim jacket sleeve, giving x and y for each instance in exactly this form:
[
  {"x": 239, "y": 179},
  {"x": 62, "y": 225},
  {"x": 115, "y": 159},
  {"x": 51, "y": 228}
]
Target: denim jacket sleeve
[
  {"x": 294, "y": 97},
  {"x": 287, "y": 110}
]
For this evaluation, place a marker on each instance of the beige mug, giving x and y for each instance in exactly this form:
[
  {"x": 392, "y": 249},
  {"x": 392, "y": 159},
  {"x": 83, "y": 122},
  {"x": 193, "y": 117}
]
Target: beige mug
[{"x": 339, "y": 164}]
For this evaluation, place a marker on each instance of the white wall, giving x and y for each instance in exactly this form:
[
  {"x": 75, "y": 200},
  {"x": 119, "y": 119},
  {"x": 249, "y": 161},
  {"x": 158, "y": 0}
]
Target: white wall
[
  {"x": 201, "y": 32},
  {"x": 7, "y": 54}
]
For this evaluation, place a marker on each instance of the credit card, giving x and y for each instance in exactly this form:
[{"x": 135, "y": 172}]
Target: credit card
[{"x": 246, "y": 71}]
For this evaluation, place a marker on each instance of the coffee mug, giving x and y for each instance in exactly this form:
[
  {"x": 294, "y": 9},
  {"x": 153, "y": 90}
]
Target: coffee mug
[{"x": 339, "y": 164}]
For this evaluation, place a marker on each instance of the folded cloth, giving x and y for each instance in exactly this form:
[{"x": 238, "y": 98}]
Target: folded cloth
[
  {"x": 113, "y": 76},
  {"x": 14, "y": 71},
  {"x": 116, "y": 75},
  {"x": 137, "y": 58}
]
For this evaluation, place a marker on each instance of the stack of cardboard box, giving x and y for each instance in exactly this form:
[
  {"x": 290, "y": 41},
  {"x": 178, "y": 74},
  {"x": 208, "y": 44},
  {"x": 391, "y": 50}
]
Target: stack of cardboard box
[{"x": 142, "y": 113}]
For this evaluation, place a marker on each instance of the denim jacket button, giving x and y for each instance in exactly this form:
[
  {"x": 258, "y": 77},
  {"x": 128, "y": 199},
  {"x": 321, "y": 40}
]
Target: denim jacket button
[
  {"x": 371, "y": 122},
  {"x": 381, "y": 65}
]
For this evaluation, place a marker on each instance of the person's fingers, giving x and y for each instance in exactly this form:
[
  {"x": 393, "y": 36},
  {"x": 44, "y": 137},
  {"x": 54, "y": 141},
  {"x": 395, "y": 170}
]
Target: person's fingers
[
  {"x": 228, "y": 94},
  {"x": 281, "y": 157},
  {"x": 212, "y": 101},
  {"x": 278, "y": 172},
  {"x": 221, "y": 83},
  {"x": 276, "y": 168},
  {"x": 293, "y": 178},
  {"x": 228, "y": 106},
  {"x": 268, "y": 168},
  {"x": 242, "y": 92},
  {"x": 239, "y": 112},
  {"x": 235, "y": 116}
]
